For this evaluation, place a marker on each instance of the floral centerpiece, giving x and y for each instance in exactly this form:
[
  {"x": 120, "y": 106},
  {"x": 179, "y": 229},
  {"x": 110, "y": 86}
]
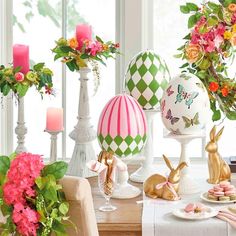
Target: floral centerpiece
[
  {"x": 82, "y": 50},
  {"x": 11, "y": 79},
  {"x": 30, "y": 197},
  {"x": 208, "y": 49}
]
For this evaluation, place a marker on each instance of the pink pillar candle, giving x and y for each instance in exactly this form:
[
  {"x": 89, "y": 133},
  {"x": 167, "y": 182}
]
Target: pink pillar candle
[
  {"x": 83, "y": 32},
  {"x": 21, "y": 57},
  {"x": 54, "y": 119}
]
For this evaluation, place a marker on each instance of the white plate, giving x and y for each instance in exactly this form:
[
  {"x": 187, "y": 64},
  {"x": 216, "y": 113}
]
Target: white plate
[
  {"x": 205, "y": 198},
  {"x": 208, "y": 213}
]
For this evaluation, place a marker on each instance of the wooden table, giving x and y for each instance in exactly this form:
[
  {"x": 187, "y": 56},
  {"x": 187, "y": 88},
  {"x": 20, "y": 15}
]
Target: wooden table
[{"x": 126, "y": 220}]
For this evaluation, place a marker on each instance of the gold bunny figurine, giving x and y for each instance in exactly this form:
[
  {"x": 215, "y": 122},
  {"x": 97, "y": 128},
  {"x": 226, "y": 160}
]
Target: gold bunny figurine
[
  {"x": 158, "y": 186},
  {"x": 218, "y": 169}
]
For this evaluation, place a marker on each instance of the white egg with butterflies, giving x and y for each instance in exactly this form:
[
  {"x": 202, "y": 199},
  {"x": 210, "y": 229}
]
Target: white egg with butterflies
[{"x": 185, "y": 105}]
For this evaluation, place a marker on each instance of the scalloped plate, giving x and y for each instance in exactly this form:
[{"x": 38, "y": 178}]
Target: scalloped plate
[{"x": 204, "y": 197}]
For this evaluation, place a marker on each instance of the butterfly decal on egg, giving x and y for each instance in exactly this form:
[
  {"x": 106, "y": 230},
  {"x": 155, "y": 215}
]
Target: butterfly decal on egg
[
  {"x": 183, "y": 95},
  {"x": 172, "y": 119},
  {"x": 185, "y": 77},
  {"x": 163, "y": 104},
  {"x": 169, "y": 91},
  {"x": 191, "y": 122}
]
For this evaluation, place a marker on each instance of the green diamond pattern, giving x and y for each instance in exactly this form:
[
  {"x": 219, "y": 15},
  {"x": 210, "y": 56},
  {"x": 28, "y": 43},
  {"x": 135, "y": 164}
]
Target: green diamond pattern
[
  {"x": 146, "y": 79},
  {"x": 123, "y": 147},
  {"x": 108, "y": 139}
]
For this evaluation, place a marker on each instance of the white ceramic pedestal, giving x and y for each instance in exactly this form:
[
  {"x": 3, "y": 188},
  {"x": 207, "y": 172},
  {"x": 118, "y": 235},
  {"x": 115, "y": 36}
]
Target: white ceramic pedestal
[
  {"x": 83, "y": 133},
  {"x": 20, "y": 129},
  {"x": 186, "y": 185},
  {"x": 124, "y": 190},
  {"x": 146, "y": 168}
]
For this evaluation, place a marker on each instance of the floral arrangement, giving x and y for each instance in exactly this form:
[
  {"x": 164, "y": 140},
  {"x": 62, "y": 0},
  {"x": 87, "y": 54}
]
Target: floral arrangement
[
  {"x": 207, "y": 49},
  {"x": 30, "y": 197},
  {"x": 78, "y": 52},
  {"x": 11, "y": 79}
]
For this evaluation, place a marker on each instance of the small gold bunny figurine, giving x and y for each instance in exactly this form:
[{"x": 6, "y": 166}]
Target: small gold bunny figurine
[
  {"x": 158, "y": 186},
  {"x": 218, "y": 169}
]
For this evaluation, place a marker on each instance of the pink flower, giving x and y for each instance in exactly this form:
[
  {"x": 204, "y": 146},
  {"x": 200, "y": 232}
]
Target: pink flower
[
  {"x": 94, "y": 47},
  {"x": 26, "y": 219},
  {"x": 218, "y": 41},
  {"x": 233, "y": 19},
  {"x": 19, "y": 77}
]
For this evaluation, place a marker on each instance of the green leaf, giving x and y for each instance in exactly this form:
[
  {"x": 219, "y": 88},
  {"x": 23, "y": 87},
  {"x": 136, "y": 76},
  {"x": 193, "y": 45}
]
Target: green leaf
[
  {"x": 192, "y": 6},
  {"x": 4, "y": 164},
  {"x": 50, "y": 193},
  {"x": 212, "y": 21},
  {"x": 66, "y": 49},
  {"x": 99, "y": 39},
  {"x": 184, "y": 65},
  {"x": 231, "y": 115},
  {"x": 213, "y": 6},
  {"x": 192, "y": 21},
  {"x": 57, "y": 169},
  {"x": 187, "y": 37},
  {"x": 59, "y": 228},
  {"x": 64, "y": 208},
  {"x": 39, "y": 66},
  {"x": 21, "y": 89},
  {"x": 178, "y": 55},
  {"x": 216, "y": 113},
  {"x": 184, "y": 9},
  {"x": 6, "y": 89}
]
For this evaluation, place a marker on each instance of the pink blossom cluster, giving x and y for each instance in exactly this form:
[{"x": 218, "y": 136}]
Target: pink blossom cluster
[
  {"x": 212, "y": 39},
  {"x": 24, "y": 169},
  {"x": 25, "y": 219},
  {"x": 93, "y": 47},
  {"x": 233, "y": 19}
]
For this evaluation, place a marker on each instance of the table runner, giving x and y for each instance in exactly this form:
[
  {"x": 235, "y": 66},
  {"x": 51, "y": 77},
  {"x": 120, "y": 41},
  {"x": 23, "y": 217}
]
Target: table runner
[{"x": 157, "y": 219}]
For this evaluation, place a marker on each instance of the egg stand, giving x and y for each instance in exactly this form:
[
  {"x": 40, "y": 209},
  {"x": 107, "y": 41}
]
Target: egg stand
[
  {"x": 186, "y": 184},
  {"x": 83, "y": 133},
  {"x": 146, "y": 168},
  {"x": 124, "y": 190}
]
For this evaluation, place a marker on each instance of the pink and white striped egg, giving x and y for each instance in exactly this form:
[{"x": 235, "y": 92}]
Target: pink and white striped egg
[{"x": 122, "y": 127}]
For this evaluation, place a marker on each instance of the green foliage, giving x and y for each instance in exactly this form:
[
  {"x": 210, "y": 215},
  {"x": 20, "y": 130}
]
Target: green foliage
[
  {"x": 50, "y": 201},
  {"x": 40, "y": 77}
]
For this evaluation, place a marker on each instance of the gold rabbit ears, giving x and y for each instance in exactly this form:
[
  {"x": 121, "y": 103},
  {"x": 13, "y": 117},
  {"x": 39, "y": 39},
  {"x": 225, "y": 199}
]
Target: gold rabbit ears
[
  {"x": 215, "y": 137},
  {"x": 170, "y": 166}
]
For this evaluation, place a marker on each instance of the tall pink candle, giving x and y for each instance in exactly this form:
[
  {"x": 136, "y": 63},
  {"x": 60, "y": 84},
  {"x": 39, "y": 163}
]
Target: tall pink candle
[
  {"x": 21, "y": 57},
  {"x": 54, "y": 120},
  {"x": 83, "y": 32}
]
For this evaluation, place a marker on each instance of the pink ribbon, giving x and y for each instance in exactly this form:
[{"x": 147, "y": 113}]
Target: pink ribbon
[{"x": 170, "y": 186}]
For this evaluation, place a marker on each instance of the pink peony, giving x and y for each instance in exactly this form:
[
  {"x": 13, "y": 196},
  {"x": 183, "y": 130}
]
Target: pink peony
[
  {"x": 19, "y": 77},
  {"x": 26, "y": 219},
  {"x": 94, "y": 47}
]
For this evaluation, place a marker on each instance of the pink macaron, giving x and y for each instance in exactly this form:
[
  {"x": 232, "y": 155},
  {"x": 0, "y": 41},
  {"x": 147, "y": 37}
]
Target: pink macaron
[
  {"x": 224, "y": 184},
  {"x": 229, "y": 188},
  {"x": 190, "y": 208},
  {"x": 230, "y": 192},
  {"x": 219, "y": 194},
  {"x": 218, "y": 189},
  {"x": 211, "y": 191}
]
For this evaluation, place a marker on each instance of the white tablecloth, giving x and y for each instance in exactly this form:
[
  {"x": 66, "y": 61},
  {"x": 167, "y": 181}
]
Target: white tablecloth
[{"x": 157, "y": 219}]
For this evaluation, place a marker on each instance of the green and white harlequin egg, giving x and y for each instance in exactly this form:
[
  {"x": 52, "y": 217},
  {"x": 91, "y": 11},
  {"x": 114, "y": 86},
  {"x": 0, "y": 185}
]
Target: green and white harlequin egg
[{"x": 146, "y": 78}]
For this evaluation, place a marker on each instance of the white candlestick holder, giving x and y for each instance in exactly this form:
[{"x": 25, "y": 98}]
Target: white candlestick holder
[
  {"x": 20, "y": 129},
  {"x": 186, "y": 184},
  {"x": 146, "y": 168},
  {"x": 83, "y": 133},
  {"x": 53, "y": 146}
]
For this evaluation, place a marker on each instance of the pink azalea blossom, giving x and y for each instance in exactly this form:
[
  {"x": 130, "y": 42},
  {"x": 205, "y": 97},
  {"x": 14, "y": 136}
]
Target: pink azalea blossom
[
  {"x": 26, "y": 220},
  {"x": 94, "y": 47}
]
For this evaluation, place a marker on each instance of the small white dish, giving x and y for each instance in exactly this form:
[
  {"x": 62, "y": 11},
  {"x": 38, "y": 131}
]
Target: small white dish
[
  {"x": 205, "y": 198},
  {"x": 208, "y": 213}
]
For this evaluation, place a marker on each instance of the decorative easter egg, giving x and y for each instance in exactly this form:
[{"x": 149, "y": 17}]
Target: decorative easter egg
[
  {"x": 185, "y": 105},
  {"x": 146, "y": 78},
  {"x": 122, "y": 126}
]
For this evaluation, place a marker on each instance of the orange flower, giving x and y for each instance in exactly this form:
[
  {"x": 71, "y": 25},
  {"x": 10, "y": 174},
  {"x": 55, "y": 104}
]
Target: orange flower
[
  {"x": 213, "y": 86},
  {"x": 104, "y": 47},
  {"x": 73, "y": 43},
  {"x": 232, "y": 7},
  {"x": 225, "y": 91},
  {"x": 233, "y": 39},
  {"x": 193, "y": 52}
]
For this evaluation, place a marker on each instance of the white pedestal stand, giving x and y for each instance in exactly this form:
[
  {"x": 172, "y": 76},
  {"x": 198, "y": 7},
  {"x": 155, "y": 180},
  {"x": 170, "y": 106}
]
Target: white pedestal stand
[
  {"x": 186, "y": 185},
  {"x": 21, "y": 129},
  {"x": 83, "y": 133},
  {"x": 124, "y": 190},
  {"x": 146, "y": 168},
  {"x": 53, "y": 146}
]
